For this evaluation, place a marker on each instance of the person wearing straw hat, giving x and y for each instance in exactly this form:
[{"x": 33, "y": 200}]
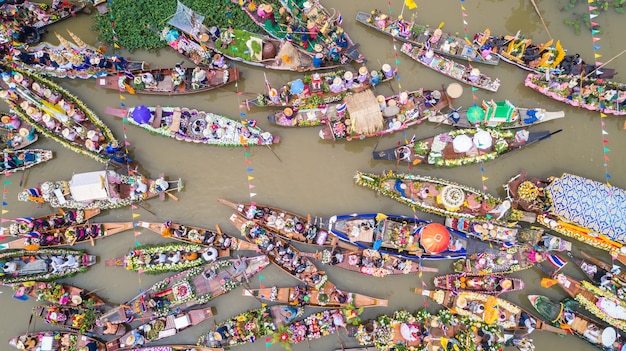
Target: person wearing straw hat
[
  {"x": 337, "y": 86},
  {"x": 288, "y": 112},
  {"x": 218, "y": 61},
  {"x": 363, "y": 75},
  {"x": 274, "y": 96},
  {"x": 198, "y": 78},
  {"x": 69, "y": 134},
  {"x": 349, "y": 79},
  {"x": 48, "y": 121},
  {"x": 318, "y": 60},
  {"x": 375, "y": 78},
  {"x": 312, "y": 29}
]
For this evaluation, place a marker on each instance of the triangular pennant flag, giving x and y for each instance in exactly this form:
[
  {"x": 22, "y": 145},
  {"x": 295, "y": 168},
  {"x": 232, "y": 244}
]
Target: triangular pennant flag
[
  {"x": 137, "y": 233},
  {"x": 602, "y": 114},
  {"x": 606, "y": 158},
  {"x": 597, "y": 55},
  {"x": 596, "y": 47},
  {"x": 247, "y": 153},
  {"x": 484, "y": 187},
  {"x": 462, "y": 8},
  {"x": 126, "y": 142},
  {"x": 122, "y": 97},
  {"x": 261, "y": 277},
  {"x": 4, "y": 220},
  {"x": 137, "y": 243},
  {"x": 606, "y": 149},
  {"x": 6, "y": 182},
  {"x": 4, "y": 203},
  {"x": 465, "y": 22},
  {"x": 608, "y": 176},
  {"x": 250, "y": 178},
  {"x": 598, "y": 63},
  {"x": 464, "y": 14},
  {"x": 252, "y": 194},
  {"x": 5, "y": 211},
  {"x": 595, "y": 39},
  {"x": 474, "y": 89},
  {"x": 248, "y": 162},
  {"x": 605, "y": 141},
  {"x": 594, "y": 31},
  {"x": 135, "y": 215},
  {"x": 133, "y": 207},
  {"x": 591, "y": 8},
  {"x": 604, "y": 132},
  {"x": 592, "y": 15},
  {"x": 250, "y": 169},
  {"x": 484, "y": 178},
  {"x": 251, "y": 186}
]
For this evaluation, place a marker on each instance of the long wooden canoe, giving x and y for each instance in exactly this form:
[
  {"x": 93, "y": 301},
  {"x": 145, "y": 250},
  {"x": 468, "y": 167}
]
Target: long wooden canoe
[
  {"x": 493, "y": 284},
  {"x": 55, "y": 340},
  {"x": 16, "y": 134},
  {"x": 12, "y": 161},
  {"x": 57, "y": 293},
  {"x": 75, "y": 318},
  {"x": 26, "y": 225},
  {"x": 43, "y": 265},
  {"x": 304, "y": 296}
]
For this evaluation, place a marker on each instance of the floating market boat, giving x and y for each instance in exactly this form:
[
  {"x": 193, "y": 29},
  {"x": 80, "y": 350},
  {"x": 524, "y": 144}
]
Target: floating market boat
[
  {"x": 249, "y": 326},
  {"x": 490, "y": 231},
  {"x": 176, "y": 348},
  {"x": 199, "y": 236},
  {"x": 368, "y": 262},
  {"x": 462, "y": 146},
  {"x": 19, "y": 135},
  {"x": 315, "y": 326},
  {"x": 500, "y": 114},
  {"x": 42, "y": 265},
  {"x": 601, "y": 274},
  {"x": 167, "y": 257},
  {"x": 78, "y": 319},
  {"x": 195, "y": 286},
  {"x": 564, "y": 315},
  {"x": 55, "y": 340},
  {"x": 305, "y": 296},
  {"x": 489, "y": 309},
  {"x": 446, "y": 66},
  {"x": 159, "y": 328},
  {"x": 38, "y": 15},
  {"x": 400, "y": 236},
  {"x": 499, "y": 261},
  {"x": 419, "y": 35},
  {"x": 191, "y": 125},
  {"x": 67, "y": 236},
  {"x": 12, "y": 161},
  {"x": 290, "y": 226},
  {"x": 57, "y": 293},
  {"x": 493, "y": 284},
  {"x": 100, "y": 189},
  {"x": 439, "y": 196},
  {"x": 589, "y": 93},
  {"x": 187, "y": 45},
  {"x": 26, "y": 225},
  {"x": 59, "y": 115},
  {"x": 170, "y": 81}
]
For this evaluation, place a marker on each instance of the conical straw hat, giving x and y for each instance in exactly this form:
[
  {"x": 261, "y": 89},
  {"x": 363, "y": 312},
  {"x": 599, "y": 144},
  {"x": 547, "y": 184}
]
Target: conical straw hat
[{"x": 76, "y": 39}]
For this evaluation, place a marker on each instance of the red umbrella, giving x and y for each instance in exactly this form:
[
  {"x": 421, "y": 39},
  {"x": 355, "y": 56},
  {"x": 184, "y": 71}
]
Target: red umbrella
[{"x": 435, "y": 238}]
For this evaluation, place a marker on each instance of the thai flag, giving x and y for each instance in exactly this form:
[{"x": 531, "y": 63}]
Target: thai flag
[
  {"x": 508, "y": 245},
  {"x": 168, "y": 224},
  {"x": 35, "y": 192},
  {"x": 339, "y": 19},
  {"x": 556, "y": 261},
  {"x": 402, "y": 27},
  {"x": 129, "y": 75},
  {"x": 413, "y": 139},
  {"x": 23, "y": 220},
  {"x": 342, "y": 107},
  {"x": 427, "y": 45}
]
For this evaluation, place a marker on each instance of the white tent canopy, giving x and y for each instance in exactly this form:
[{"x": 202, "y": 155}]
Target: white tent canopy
[
  {"x": 89, "y": 186},
  {"x": 186, "y": 19}
]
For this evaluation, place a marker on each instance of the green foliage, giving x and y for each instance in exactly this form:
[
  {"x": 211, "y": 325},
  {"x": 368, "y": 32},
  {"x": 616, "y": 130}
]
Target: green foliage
[
  {"x": 132, "y": 19},
  {"x": 576, "y": 20}
]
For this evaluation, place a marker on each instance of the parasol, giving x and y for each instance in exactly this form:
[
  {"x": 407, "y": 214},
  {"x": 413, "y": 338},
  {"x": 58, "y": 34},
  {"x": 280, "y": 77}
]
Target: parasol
[
  {"x": 297, "y": 86},
  {"x": 172, "y": 35},
  {"x": 483, "y": 139},
  {"x": 475, "y": 114},
  {"x": 462, "y": 143},
  {"x": 141, "y": 114},
  {"x": 454, "y": 90},
  {"x": 435, "y": 238},
  {"x": 609, "y": 335}
]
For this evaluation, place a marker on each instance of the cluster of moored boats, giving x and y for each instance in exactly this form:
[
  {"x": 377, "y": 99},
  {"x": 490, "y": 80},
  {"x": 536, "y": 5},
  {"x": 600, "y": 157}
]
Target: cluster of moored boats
[{"x": 486, "y": 237}]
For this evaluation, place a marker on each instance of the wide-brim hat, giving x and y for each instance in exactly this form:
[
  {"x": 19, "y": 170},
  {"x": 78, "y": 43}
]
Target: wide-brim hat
[
  {"x": 46, "y": 117},
  {"x": 506, "y": 284},
  {"x": 30, "y": 110},
  {"x": 454, "y": 90},
  {"x": 89, "y": 144},
  {"x": 363, "y": 70},
  {"x": 94, "y": 60},
  {"x": 71, "y": 112},
  {"x": 18, "y": 77},
  {"x": 319, "y": 55},
  {"x": 4, "y": 94},
  {"x": 383, "y": 16},
  {"x": 348, "y": 75},
  {"x": 336, "y": 81},
  {"x": 318, "y": 48},
  {"x": 380, "y": 99},
  {"x": 91, "y": 134},
  {"x": 65, "y": 132},
  {"x": 269, "y": 8},
  {"x": 430, "y": 53},
  {"x": 24, "y": 105},
  {"x": 76, "y": 299},
  {"x": 386, "y": 67},
  {"x": 217, "y": 56},
  {"x": 130, "y": 340},
  {"x": 475, "y": 72},
  {"x": 273, "y": 92},
  {"x": 307, "y": 5},
  {"x": 374, "y": 73},
  {"x": 36, "y": 87},
  {"x": 24, "y": 132},
  {"x": 288, "y": 112},
  {"x": 310, "y": 25},
  {"x": 404, "y": 95},
  {"x": 436, "y": 94},
  {"x": 5, "y": 119},
  {"x": 47, "y": 92}
]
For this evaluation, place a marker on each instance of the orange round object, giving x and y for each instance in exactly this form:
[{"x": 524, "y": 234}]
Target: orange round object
[{"x": 435, "y": 238}]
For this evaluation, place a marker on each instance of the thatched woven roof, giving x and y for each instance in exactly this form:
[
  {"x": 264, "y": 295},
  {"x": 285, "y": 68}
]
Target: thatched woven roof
[
  {"x": 364, "y": 111},
  {"x": 289, "y": 56}
]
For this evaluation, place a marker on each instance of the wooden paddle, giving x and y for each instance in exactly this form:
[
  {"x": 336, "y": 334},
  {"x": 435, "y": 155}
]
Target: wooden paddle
[{"x": 174, "y": 197}]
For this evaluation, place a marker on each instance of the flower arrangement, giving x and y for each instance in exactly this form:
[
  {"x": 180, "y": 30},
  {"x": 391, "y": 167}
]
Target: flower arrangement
[
  {"x": 44, "y": 276},
  {"x": 229, "y": 285},
  {"x": 421, "y": 148},
  {"x": 593, "y": 308},
  {"x": 141, "y": 258}
]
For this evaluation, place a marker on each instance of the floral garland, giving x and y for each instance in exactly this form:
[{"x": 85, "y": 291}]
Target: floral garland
[
  {"x": 136, "y": 259},
  {"x": 572, "y": 233},
  {"x": 591, "y": 307}
]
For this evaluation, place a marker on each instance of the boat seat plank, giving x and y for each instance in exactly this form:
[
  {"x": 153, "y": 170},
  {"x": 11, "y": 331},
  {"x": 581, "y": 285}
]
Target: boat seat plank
[
  {"x": 158, "y": 115},
  {"x": 169, "y": 322},
  {"x": 579, "y": 325},
  {"x": 175, "y": 126}
]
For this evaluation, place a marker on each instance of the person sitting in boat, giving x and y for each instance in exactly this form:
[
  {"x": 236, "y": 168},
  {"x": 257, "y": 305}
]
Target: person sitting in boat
[
  {"x": 174, "y": 258},
  {"x": 341, "y": 40},
  {"x": 337, "y": 86},
  {"x": 161, "y": 184},
  {"x": 227, "y": 37},
  {"x": 198, "y": 78},
  {"x": 528, "y": 322},
  {"x": 214, "y": 33},
  {"x": 592, "y": 333},
  {"x": 56, "y": 262},
  {"x": 219, "y": 61},
  {"x": 148, "y": 80}
]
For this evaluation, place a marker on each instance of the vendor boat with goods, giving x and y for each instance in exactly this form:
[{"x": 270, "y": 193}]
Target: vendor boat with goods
[
  {"x": 589, "y": 93},
  {"x": 439, "y": 196},
  {"x": 59, "y": 115},
  {"x": 602, "y": 274},
  {"x": 500, "y": 114},
  {"x": 159, "y": 328},
  {"x": 446, "y": 66},
  {"x": 315, "y": 326},
  {"x": 301, "y": 295},
  {"x": 169, "y": 347},
  {"x": 57, "y": 293},
  {"x": 25, "y": 225},
  {"x": 19, "y": 135},
  {"x": 56, "y": 340},
  {"x": 39, "y": 15},
  {"x": 442, "y": 43},
  {"x": 307, "y": 25},
  {"x": 462, "y": 146},
  {"x": 187, "y": 45},
  {"x": 500, "y": 260},
  {"x": 575, "y": 207},
  {"x": 191, "y": 125},
  {"x": 12, "y": 161},
  {"x": 400, "y": 236},
  {"x": 199, "y": 236},
  {"x": 315, "y": 89},
  {"x": 490, "y": 309},
  {"x": 99, "y": 189},
  {"x": 67, "y": 236},
  {"x": 368, "y": 262},
  {"x": 167, "y": 257},
  {"x": 365, "y": 115},
  {"x": 170, "y": 81},
  {"x": 492, "y": 284},
  {"x": 82, "y": 320},
  {"x": 565, "y": 315},
  {"x": 288, "y": 225},
  {"x": 42, "y": 265},
  {"x": 249, "y": 326},
  {"x": 494, "y": 231},
  {"x": 195, "y": 286}
]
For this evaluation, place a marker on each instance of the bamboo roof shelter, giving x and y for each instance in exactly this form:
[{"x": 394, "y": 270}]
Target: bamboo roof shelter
[{"x": 364, "y": 111}]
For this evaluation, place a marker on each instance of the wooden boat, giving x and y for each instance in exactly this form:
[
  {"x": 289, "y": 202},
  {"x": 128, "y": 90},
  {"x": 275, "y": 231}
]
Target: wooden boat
[
  {"x": 315, "y": 89},
  {"x": 304, "y": 296},
  {"x": 159, "y": 328},
  {"x": 57, "y": 293},
  {"x": 12, "y": 161},
  {"x": 400, "y": 236},
  {"x": 187, "y": 45},
  {"x": 500, "y": 114},
  {"x": 195, "y": 286},
  {"x": 258, "y": 323},
  {"x": 462, "y": 147},
  {"x": 409, "y": 31},
  {"x": 18, "y": 135},
  {"x": 78, "y": 319},
  {"x": 167, "y": 81},
  {"x": 283, "y": 254},
  {"x": 176, "y": 348},
  {"x": 43, "y": 265},
  {"x": 59, "y": 115},
  {"x": 450, "y": 68},
  {"x": 490, "y": 309},
  {"x": 99, "y": 189},
  {"x": 601, "y": 274},
  {"x": 191, "y": 125},
  {"x": 561, "y": 315},
  {"x": 199, "y": 236},
  {"x": 40, "y": 15},
  {"x": 67, "y": 236},
  {"x": 439, "y": 196},
  {"x": 493, "y": 284},
  {"x": 26, "y": 225},
  {"x": 315, "y": 21},
  {"x": 368, "y": 262},
  {"x": 315, "y": 326},
  {"x": 167, "y": 257},
  {"x": 367, "y": 116},
  {"x": 288, "y": 225},
  {"x": 55, "y": 340},
  {"x": 499, "y": 261},
  {"x": 589, "y": 93}
]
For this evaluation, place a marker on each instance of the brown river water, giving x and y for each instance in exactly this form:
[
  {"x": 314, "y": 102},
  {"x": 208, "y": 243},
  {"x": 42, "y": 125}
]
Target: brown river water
[{"x": 307, "y": 175}]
